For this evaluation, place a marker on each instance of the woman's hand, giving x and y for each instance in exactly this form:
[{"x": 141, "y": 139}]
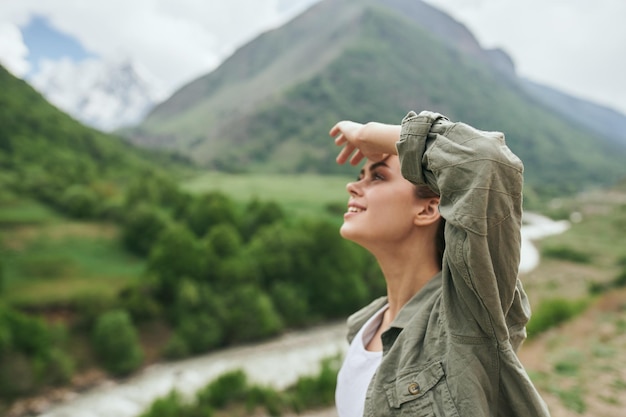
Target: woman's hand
[{"x": 373, "y": 141}]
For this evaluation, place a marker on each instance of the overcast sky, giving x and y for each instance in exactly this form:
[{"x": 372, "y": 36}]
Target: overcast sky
[{"x": 574, "y": 45}]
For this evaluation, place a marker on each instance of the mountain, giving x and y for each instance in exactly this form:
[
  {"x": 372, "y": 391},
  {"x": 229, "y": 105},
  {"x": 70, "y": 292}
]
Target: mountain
[
  {"x": 46, "y": 154},
  {"x": 104, "y": 95},
  {"x": 591, "y": 116},
  {"x": 270, "y": 105}
]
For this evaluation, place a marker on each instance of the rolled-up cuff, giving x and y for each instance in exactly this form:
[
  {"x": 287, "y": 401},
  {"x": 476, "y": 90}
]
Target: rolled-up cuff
[{"x": 412, "y": 144}]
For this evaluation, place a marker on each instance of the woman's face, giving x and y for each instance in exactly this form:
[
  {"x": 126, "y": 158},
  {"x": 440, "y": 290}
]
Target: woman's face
[{"x": 382, "y": 205}]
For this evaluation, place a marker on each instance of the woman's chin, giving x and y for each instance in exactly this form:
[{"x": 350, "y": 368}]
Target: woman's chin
[{"x": 347, "y": 232}]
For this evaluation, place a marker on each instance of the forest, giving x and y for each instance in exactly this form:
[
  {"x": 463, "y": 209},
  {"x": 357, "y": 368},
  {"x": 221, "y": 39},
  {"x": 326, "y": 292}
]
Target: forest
[{"x": 208, "y": 270}]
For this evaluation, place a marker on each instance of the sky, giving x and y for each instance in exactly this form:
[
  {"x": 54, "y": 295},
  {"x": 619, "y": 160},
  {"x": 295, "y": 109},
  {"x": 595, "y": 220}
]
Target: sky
[{"x": 573, "y": 45}]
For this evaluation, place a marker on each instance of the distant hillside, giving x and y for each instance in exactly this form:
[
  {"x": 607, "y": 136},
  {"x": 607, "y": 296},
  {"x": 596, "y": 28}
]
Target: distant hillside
[
  {"x": 270, "y": 105},
  {"x": 46, "y": 153},
  {"x": 591, "y": 116}
]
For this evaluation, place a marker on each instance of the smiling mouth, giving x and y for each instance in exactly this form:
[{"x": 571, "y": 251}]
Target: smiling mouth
[{"x": 353, "y": 209}]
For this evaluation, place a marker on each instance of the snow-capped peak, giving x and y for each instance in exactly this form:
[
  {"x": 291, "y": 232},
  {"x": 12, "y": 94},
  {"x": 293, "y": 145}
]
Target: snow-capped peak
[{"x": 105, "y": 95}]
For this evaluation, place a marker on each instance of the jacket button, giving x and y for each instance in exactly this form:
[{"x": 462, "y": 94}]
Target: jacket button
[{"x": 414, "y": 388}]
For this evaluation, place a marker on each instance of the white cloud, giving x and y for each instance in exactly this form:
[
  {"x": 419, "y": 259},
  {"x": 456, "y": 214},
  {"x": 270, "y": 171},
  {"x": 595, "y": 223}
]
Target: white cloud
[
  {"x": 176, "y": 39},
  {"x": 568, "y": 44},
  {"x": 13, "y": 52}
]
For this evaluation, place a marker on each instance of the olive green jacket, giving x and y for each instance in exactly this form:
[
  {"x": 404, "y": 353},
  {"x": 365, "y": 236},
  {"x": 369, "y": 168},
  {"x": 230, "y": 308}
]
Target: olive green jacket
[{"x": 451, "y": 350}]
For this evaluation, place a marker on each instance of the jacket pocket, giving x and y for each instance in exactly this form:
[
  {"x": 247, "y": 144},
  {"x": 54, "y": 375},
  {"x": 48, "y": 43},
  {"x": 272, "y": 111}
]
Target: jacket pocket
[{"x": 421, "y": 392}]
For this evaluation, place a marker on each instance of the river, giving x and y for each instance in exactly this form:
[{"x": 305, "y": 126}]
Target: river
[{"x": 278, "y": 362}]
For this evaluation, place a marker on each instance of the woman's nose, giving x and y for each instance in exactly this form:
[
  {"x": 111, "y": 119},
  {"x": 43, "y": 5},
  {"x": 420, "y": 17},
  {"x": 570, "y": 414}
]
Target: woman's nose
[{"x": 353, "y": 188}]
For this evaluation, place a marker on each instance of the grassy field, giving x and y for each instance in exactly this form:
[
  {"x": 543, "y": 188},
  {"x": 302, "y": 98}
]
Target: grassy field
[
  {"x": 48, "y": 259},
  {"x": 308, "y": 195}
]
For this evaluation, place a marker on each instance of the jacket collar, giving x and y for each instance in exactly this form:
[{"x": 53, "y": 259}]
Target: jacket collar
[
  {"x": 417, "y": 302},
  {"x": 408, "y": 311}
]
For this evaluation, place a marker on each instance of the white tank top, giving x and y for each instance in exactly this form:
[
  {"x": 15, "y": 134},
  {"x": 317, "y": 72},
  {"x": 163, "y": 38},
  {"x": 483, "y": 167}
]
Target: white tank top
[{"x": 357, "y": 370}]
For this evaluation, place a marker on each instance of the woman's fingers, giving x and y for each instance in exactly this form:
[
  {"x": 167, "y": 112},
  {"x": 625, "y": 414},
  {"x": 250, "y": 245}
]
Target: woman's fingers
[
  {"x": 336, "y": 130},
  {"x": 340, "y": 140},
  {"x": 357, "y": 157},
  {"x": 345, "y": 153}
]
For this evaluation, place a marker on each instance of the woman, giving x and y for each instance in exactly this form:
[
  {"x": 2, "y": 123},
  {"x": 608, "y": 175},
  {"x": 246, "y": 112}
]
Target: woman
[{"x": 443, "y": 341}]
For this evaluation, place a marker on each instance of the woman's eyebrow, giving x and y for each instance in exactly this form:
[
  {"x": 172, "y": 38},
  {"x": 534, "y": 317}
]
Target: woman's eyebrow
[{"x": 374, "y": 166}]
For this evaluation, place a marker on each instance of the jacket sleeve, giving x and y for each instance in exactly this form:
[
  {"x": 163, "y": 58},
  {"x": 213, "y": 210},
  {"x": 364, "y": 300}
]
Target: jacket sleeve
[{"x": 479, "y": 181}]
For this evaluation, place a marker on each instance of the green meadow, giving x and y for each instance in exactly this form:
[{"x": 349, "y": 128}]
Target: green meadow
[
  {"x": 49, "y": 259},
  {"x": 303, "y": 194}
]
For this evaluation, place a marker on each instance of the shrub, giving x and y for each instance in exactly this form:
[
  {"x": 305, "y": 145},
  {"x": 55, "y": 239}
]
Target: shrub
[
  {"x": 273, "y": 401},
  {"x": 31, "y": 354},
  {"x": 116, "y": 342},
  {"x": 227, "y": 388},
  {"x": 553, "y": 312},
  {"x": 620, "y": 280},
  {"x": 232, "y": 389},
  {"x": 200, "y": 332},
  {"x": 172, "y": 405},
  {"x": 317, "y": 390},
  {"x": 79, "y": 201},
  {"x": 566, "y": 254}
]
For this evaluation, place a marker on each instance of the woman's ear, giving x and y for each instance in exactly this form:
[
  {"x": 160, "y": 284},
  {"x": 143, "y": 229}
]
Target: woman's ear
[{"x": 427, "y": 211}]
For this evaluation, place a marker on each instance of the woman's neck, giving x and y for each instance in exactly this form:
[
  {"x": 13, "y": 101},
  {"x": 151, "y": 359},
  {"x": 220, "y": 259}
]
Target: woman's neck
[{"x": 406, "y": 271}]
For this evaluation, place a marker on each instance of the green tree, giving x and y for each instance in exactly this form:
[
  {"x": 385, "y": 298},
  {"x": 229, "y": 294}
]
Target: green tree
[
  {"x": 251, "y": 315},
  {"x": 258, "y": 214},
  {"x": 116, "y": 342},
  {"x": 31, "y": 353},
  {"x": 225, "y": 240},
  {"x": 177, "y": 255},
  {"x": 208, "y": 210},
  {"x": 155, "y": 189},
  {"x": 201, "y": 332},
  {"x": 142, "y": 227},
  {"x": 291, "y": 303},
  {"x": 231, "y": 265},
  {"x": 80, "y": 201}
]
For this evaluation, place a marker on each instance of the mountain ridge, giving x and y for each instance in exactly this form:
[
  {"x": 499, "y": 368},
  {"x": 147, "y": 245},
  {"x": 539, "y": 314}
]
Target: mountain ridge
[
  {"x": 379, "y": 63},
  {"x": 48, "y": 155}
]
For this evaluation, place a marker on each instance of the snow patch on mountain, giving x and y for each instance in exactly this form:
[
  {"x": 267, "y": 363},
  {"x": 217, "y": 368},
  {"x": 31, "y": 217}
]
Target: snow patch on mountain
[{"x": 104, "y": 95}]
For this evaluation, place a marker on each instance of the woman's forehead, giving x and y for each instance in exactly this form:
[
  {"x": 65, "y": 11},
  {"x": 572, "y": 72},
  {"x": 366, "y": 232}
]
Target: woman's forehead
[{"x": 391, "y": 161}]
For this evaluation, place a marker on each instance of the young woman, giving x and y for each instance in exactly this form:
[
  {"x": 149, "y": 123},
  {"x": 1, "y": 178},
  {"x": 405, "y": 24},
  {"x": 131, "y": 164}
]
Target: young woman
[{"x": 439, "y": 206}]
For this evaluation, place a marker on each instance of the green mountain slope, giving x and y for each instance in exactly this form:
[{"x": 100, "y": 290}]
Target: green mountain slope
[
  {"x": 48, "y": 155},
  {"x": 269, "y": 107}
]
